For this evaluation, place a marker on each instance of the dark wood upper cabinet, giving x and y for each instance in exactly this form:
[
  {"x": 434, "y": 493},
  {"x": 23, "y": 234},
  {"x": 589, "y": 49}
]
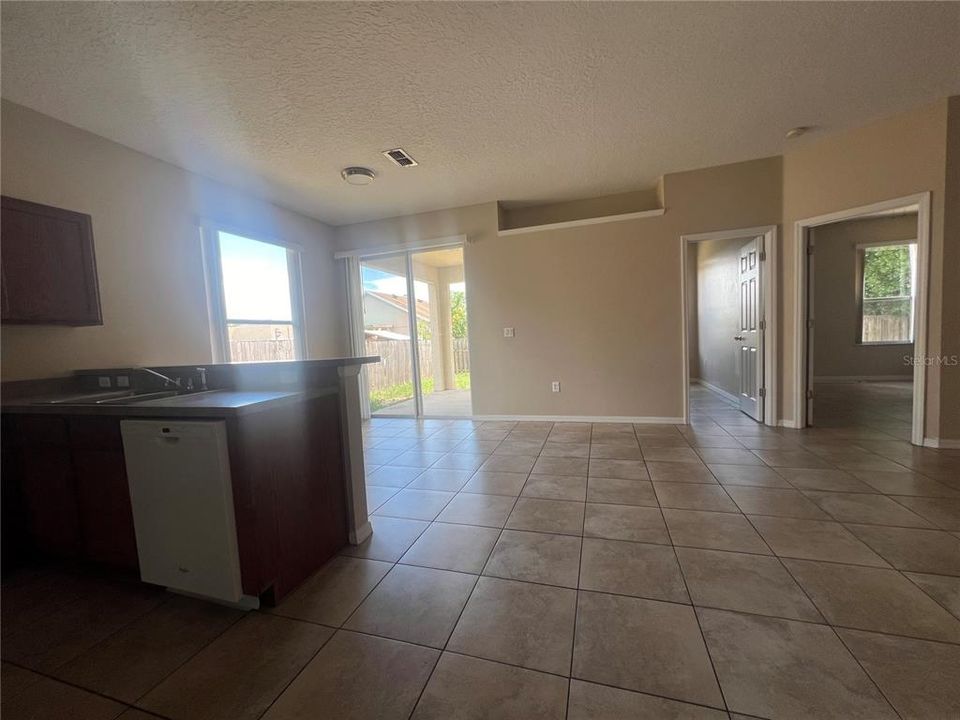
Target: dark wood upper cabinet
[{"x": 49, "y": 273}]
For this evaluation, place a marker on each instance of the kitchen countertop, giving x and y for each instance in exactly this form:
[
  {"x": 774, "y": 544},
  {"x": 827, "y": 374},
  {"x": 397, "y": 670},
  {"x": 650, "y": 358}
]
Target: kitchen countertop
[{"x": 209, "y": 404}]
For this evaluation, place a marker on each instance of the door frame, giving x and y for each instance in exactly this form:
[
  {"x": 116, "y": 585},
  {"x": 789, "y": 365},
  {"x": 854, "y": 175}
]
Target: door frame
[
  {"x": 801, "y": 279},
  {"x": 406, "y": 250},
  {"x": 771, "y": 310}
]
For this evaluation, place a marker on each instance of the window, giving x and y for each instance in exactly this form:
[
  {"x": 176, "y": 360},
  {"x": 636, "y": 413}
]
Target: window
[
  {"x": 887, "y": 292},
  {"x": 254, "y": 298}
]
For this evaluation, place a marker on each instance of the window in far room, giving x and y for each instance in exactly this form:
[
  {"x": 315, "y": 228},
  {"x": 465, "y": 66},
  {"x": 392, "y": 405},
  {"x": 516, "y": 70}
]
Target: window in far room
[
  {"x": 888, "y": 274},
  {"x": 255, "y": 299}
]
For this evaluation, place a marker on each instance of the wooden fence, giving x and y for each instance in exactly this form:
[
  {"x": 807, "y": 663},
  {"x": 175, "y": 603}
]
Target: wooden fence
[
  {"x": 396, "y": 365},
  {"x": 886, "y": 328},
  {"x": 260, "y": 350}
]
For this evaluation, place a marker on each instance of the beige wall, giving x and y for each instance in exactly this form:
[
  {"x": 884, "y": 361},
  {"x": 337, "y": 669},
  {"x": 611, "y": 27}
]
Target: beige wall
[
  {"x": 148, "y": 251},
  {"x": 596, "y": 307},
  {"x": 891, "y": 158},
  {"x": 836, "y": 305},
  {"x": 718, "y": 312},
  {"x": 579, "y": 209}
]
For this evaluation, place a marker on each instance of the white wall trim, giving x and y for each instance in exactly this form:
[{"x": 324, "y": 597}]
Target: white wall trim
[
  {"x": 787, "y": 424},
  {"x": 800, "y": 330},
  {"x": 718, "y": 390},
  {"x": 771, "y": 311},
  {"x": 584, "y": 418},
  {"x": 412, "y": 245},
  {"x": 582, "y": 223},
  {"x": 942, "y": 444},
  {"x": 830, "y": 379}
]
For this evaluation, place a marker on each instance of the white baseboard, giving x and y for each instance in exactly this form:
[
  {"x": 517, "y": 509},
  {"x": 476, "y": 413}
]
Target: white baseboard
[
  {"x": 584, "y": 418},
  {"x": 942, "y": 444},
  {"x": 861, "y": 378},
  {"x": 719, "y": 391}
]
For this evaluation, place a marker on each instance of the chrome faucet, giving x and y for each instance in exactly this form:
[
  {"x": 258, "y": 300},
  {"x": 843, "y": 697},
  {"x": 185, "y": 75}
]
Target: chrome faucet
[{"x": 167, "y": 381}]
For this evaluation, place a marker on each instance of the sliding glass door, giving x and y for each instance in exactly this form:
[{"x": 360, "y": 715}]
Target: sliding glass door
[
  {"x": 442, "y": 334},
  {"x": 414, "y": 317},
  {"x": 387, "y": 331}
]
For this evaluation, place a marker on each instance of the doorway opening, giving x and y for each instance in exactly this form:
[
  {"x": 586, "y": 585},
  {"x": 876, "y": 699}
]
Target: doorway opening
[
  {"x": 414, "y": 316},
  {"x": 861, "y": 319},
  {"x": 729, "y": 320}
]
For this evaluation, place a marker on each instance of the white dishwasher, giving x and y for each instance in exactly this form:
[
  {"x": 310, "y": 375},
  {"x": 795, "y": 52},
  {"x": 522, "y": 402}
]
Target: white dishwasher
[{"x": 182, "y": 497}]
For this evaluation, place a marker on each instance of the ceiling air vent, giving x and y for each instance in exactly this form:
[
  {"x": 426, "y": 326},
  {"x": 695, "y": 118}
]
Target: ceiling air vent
[{"x": 400, "y": 158}]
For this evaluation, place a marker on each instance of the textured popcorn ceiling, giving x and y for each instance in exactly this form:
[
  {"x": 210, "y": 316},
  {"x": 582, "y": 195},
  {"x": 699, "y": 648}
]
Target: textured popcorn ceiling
[{"x": 524, "y": 102}]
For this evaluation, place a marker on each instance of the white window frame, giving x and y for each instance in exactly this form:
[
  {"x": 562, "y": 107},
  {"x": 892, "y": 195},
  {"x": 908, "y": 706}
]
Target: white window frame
[
  {"x": 861, "y": 271},
  {"x": 216, "y": 300}
]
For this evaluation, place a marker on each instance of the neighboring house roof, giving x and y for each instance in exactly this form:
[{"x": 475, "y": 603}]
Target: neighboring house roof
[
  {"x": 400, "y": 303},
  {"x": 386, "y": 335}
]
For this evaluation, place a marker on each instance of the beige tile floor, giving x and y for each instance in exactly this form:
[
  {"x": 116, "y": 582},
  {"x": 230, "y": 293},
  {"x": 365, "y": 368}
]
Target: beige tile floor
[{"x": 539, "y": 570}]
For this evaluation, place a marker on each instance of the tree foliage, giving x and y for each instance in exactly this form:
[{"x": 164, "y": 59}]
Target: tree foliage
[
  {"x": 887, "y": 273},
  {"x": 458, "y": 313}
]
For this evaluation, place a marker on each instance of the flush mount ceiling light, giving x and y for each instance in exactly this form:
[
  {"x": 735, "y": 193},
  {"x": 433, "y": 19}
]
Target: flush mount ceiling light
[
  {"x": 797, "y": 131},
  {"x": 358, "y": 175}
]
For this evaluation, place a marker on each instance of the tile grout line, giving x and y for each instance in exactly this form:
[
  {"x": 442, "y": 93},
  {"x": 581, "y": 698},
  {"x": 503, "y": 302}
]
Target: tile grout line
[
  {"x": 576, "y": 606},
  {"x": 839, "y": 638},
  {"x": 462, "y": 609},
  {"x": 696, "y": 615}
]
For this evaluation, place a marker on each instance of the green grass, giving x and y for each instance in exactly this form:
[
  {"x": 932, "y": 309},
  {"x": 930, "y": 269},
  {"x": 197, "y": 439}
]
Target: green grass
[{"x": 404, "y": 391}]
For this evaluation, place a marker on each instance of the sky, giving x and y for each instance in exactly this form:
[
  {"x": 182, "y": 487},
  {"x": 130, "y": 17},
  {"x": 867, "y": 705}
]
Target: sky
[
  {"x": 255, "y": 281},
  {"x": 380, "y": 281}
]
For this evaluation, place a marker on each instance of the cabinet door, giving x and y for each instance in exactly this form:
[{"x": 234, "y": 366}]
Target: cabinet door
[
  {"x": 48, "y": 485},
  {"x": 103, "y": 500},
  {"x": 49, "y": 273},
  {"x": 103, "y": 494}
]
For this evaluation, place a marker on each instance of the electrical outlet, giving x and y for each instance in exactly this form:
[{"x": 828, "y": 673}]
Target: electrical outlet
[
  {"x": 555, "y": 386},
  {"x": 508, "y": 332},
  {"x": 123, "y": 381},
  {"x": 104, "y": 381}
]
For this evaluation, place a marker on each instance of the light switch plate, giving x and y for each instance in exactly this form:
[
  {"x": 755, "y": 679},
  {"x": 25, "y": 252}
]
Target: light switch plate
[
  {"x": 555, "y": 386},
  {"x": 508, "y": 332}
]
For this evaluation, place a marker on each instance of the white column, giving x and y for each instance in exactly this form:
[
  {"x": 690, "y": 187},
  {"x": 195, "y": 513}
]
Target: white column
[{"x": 358, "y": 524}]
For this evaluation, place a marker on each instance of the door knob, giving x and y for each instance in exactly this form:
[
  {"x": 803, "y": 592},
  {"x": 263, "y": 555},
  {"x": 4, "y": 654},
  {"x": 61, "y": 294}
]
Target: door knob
[{"x": 738, "y": 337}]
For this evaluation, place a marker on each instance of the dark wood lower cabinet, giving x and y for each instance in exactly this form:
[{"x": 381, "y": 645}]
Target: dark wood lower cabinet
[
  {"x": 69, "y": 481},
  {"x": 289, "y": 493},
  {"x": 66, "y": 494}
]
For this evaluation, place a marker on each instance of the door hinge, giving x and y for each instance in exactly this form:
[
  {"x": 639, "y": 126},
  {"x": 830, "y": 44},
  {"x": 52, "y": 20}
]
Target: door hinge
[
  {"x": 763, "y": 324},
  {"x": 810, "y": 323},
  {"x": 809, "y": 248},
  {"x": 763, "y": 392},
  {"x": 763, "y": 256},
  {"x": 809, "y": 394}
]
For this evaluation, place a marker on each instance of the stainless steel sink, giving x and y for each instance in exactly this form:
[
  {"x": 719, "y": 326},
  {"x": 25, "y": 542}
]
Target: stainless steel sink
[
  {"x": 111, "y": 398},
  {"x": 138, "y": 398}
]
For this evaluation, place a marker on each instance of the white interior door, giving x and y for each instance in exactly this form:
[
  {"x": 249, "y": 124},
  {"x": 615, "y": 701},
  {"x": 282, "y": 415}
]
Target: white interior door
[{"x": 749, "y": 337}]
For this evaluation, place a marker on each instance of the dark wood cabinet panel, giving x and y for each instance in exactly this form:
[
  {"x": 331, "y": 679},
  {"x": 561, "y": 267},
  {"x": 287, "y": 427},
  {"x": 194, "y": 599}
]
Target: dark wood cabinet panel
[
  {"x": 103, "y": 494},
  {"x": 69, "y": 480},
  {"x": 106, "y": 517},
  {"x": 48, "y": 267},
  {"x": 289, "y": 494},
  {"x": 46, "y": 484}
]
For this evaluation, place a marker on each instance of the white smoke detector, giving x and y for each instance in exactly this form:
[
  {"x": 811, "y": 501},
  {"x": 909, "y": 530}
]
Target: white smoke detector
[{"x": 358, "y": 175}]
